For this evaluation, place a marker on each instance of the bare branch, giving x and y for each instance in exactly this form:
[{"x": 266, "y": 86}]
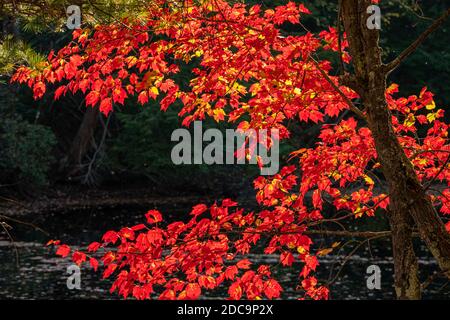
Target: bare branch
[
  {"x": 408, "y": 51},
  {"x": 29, "y": 224},
  {"x": 352, "y": 234}
]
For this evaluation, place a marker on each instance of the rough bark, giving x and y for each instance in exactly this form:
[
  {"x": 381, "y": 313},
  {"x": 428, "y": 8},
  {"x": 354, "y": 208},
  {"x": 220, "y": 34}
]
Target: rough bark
[
  {"x": 406, "y": 269},
  {"x": 409, "y": 202}
]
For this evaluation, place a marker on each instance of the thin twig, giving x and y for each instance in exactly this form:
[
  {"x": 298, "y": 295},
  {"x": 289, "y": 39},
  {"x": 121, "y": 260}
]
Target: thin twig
[
  {"x": 408, "y": 51},
  {"x": 16, "y": 251}
]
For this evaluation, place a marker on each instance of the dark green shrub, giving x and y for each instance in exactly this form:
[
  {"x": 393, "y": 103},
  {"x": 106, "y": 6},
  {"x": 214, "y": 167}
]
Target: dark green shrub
[{"x": 25, "y": 151}]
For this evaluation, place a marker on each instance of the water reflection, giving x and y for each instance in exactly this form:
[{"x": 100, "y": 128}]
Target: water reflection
[{"x": 41, "y": 275}]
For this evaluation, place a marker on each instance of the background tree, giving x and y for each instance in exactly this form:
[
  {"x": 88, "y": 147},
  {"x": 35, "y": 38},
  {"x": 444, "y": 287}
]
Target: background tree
[{"x": 249, "y": 71}]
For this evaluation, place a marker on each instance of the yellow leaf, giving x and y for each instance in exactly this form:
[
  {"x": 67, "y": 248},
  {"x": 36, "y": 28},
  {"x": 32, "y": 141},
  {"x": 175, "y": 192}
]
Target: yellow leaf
[
  {"x": 335, "y": 244},
  {"x": 255, "y": 88},
  {"x": 198, "y": 53},
  {"x": 218, "y": 114},
  {"x": 291, "y": 245},
  {"x": 301, "y": 250},
  {"x": 431, "y": 106},
  {"x": 409, "y": 121},
  {"x": 154, "y": 90},
  {"x": 324, "y": 252},
  {"x": 431, "y": 117},
  {"x": 336, "y": 175},
  {"x": 297, "y": 91},
  {"x": 369, "y": 180},
  {"x": 239, "y": 88},
  {"x": 423, "y": 161},
  {"x": 358, "y": 212}
]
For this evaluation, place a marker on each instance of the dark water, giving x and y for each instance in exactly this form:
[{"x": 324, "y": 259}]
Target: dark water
[{"x": 41, "y": 275}]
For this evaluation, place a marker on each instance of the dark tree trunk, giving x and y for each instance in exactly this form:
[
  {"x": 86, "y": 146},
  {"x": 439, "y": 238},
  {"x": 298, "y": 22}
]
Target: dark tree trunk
[
  {"x": 82, "y": 142},
  {"x": 406, "y": 280},
  {"x": 408, "y": 200}
]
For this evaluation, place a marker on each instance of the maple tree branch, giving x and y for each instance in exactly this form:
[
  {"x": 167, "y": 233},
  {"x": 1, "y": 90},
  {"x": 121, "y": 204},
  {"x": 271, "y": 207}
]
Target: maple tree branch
[
  {"x": 430, "y": 279},
  {"x": 353, "y": 234},
  {"x": 419, "y": 152},
  {"x": 347, "y": 258},
  {"x": 358, "y": 112},
  {"x": 32, "y": 225},
  {"x": 335, "y": 233},
  {"x": 368, "y": 235},
  {"x": 443, "y": 167},
  {"x": 408, "y": 51}
]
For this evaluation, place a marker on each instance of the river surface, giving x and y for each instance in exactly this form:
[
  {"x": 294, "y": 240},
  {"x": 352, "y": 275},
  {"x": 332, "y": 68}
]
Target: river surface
[{"x": 39, "y": 274}]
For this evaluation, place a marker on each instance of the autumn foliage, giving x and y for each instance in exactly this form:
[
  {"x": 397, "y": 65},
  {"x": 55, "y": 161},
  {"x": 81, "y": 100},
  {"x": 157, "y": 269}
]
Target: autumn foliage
[{"x": 250, "y": 73}]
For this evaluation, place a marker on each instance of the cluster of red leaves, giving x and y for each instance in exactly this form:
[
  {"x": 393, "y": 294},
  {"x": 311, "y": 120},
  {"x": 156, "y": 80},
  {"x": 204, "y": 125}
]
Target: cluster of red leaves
[
  {"x": 245, "y": 67},
  {"x": 345, "y": 158},
  {"x": 235, "y": 46},
  {"x": 181, "y": 260}
]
